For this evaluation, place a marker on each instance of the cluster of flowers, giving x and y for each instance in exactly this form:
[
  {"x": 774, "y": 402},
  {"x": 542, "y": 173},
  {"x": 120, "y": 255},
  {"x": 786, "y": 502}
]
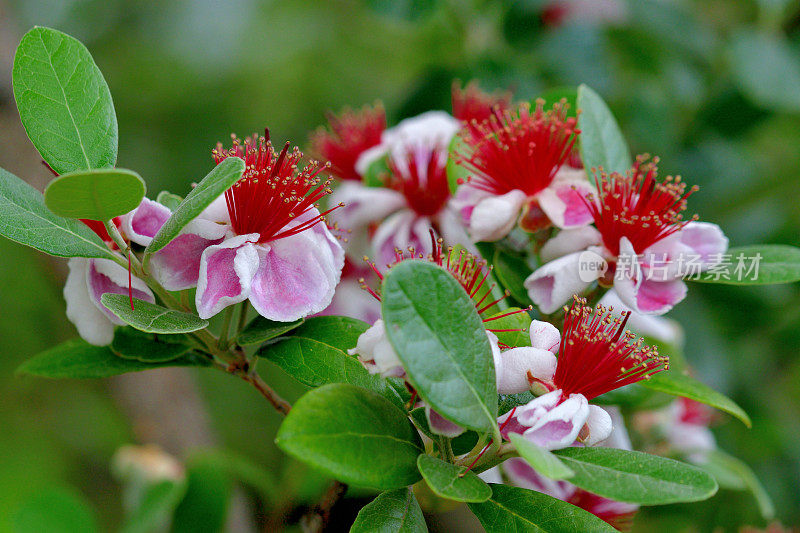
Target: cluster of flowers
[{"x": 267, "y": 240}]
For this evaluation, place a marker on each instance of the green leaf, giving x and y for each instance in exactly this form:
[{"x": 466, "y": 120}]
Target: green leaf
[
  {"x": 438, "y": 335},
  {"x": 353, "y": 435},
  {"x": 395, "y": 511},
  {"x": 519, "y": 321},
  {"x": 511, "y": 271},
  {"x": 151, "y": 318},
  {"x": 456, "y": 172},
  {"x": 544, "y": 462},
  {"x": 261, "y": 330},
  {"x": 78, "y": 359},
  {"x": 760, "y": 264},
  {"x": 156, "y": 507},
  {"x": 64, "y": 102},
  {"x": 205, "y": 504},
  {"x": 451, "y": 481},
  {"x": 556, "y": 94},
  {"x": 219, "y": 180},
  {"x": 25, "y": 219},
  {"x": 523, "y": 510},
  {"x": 720, "y": 462},
  {"x": 169, "y": 200},
  {"x": 767, "y": 69},
  {"x": 130, "y": 343},
  {"x": 314, "y": 355},
  {"x": 376, "y": 172},
  {"x": 679, "y": 384},
  {"x": 95, "y": 194},
  {"x": 464, "y": 443},
  {"x": 601, "y": 141},
  {"x": 506, "y": 402},
  {"x": 55, "y": 510},
  {"x": 636, "y": 477}
]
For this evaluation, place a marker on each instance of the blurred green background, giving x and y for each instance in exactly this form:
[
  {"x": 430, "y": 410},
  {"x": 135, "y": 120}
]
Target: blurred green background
[{"x": 711, "y": 86}]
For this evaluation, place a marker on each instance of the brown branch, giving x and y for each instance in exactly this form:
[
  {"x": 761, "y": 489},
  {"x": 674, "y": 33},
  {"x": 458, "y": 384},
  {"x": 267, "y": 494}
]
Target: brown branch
[
  {"x": 280, "y": 405},
  {"x": 316, "y": 519}
]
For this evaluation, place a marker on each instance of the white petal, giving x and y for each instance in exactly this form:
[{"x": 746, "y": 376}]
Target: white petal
[
  {"x": 660, "y": 328},
  {"x": 518, "y": 362},
  {"x": 599, "y": 425},
  {"x": 226, "y": 273},
  {"x": 544, "y": 336},
  {"x": 554, "y": 283},
  {"x": 495, "y": 216},
  {"x": 568, "y": 241},
  {"x": 92, "y": 324},
  {"x": 563, "y": 203},
  {"x": 375, "y": 352}
]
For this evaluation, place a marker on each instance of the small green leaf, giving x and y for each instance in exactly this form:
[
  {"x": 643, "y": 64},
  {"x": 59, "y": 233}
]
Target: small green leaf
[
  {"x": 78, "y": 359},
  {"x": 376, "y": 172},
  {"x": 721, "y": 462},
  {"x": 636, "y": 477},
  {"x": 760, "y": 264},
  {"x": 506, "y": 402},
  {"x": 312, "y": 355},
  {"x": 353, "y": 435},
  {"x": 64, "y": 102},
  {"x": 556, "y": 94},
  {"x": 395, "y": 511},
  {"x": 156, "y": 507},
  {"x": 151, "y": 318},
  {"x": 455, "y": 172},
  {"x": 433, "y": 326},
  {"x": 544, "y": 462},
  {"x": 205, "y": 504},
  {"x": 219, "y": 180},
  {"x": 55, "y": 510},
  {"x": 766, "y": 68},
  {"x": 451, "y": 481},
  {"x": 95, "y": 194},
  {"x": 601, "y": 141},
  {"x": 169, "y": 200},
  {"x": 519, "y": 322},
  {"x": 25, "y": 219},
  {"x": 516, "y": 509},
  {"x": 130, "y": 343},
  {"x": 511, "y": 271},
  {"x": 261, "y": 330},
  {"x": 679, "y": 384}
]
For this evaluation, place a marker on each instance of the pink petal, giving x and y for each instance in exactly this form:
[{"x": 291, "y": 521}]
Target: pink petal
[
  {"x": 465, "y": 200},
  {"x": 563, "y": 204},
  {"x": 658, "y": 297},
  {"x": 104, "y": 276},
  {"x": 705, "y": 239},
  {"x": 402, "y": 230},
  {"x": 142, "y": 224},
  {"x": 660, "y": 328},
  {"x": 495, "y": 216},
  {"x": 521, "y": 474},
  {"x": 226, "y": 274},
  {"x": 93, "y": 325},
  {"x": 442, "y": 426},
  {"x": 296, "y": 276},
  {"x": 559, "y": 426},
  {"x": 177, "y": 265},
  {"x": 363, "y": 205},
  {"x": 554, "y": 283}
]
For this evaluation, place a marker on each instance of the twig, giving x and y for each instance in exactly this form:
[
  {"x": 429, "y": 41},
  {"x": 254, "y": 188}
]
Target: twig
[
  {"x": 280, "y": 405},
  {"x": 316, "y": 519}
]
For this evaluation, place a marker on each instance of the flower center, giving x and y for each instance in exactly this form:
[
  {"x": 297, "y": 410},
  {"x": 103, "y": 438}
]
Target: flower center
[
  {"x": 351, "y": 133},
  {"x": 639, "y": 207},
  {"x": 597, "y": 355},
  {"x": 518, "y": 151},
  {"x": 421, "y": 177},
  {"x": 274, "y": 197}
]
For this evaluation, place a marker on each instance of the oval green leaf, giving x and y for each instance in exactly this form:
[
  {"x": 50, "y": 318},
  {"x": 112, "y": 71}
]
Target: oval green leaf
[
  {"x": 679, "y": 384},
  {"x": 523, "y": 510},
  {"x": 636, "y": 477},
  {"x": 219, "y": 180},
  {"x": 721, "y": 464},
  {"x": 64, "y": 102},
  {"x": 395, "y": 511},
  {"x": 80, "y": 360},
  {"x": 130, "y": 343},
  {"x": 169, "y": 200},
  {"x": 601, "y": 141},
  {"x": 433, "y": 326},
  {"x": 353, "y": 435},
  {"x": 151, "y": 318},
  {"x": 25, "y": 219},
  {"x": 760, "y": 264},
  {"x": 451, "y": 481},
  {"x": 95, "y": 194},
  {"x": 261, "y": 330},
  {"x": 544, "y": 462},
  {"x": 511, "y": 271}
]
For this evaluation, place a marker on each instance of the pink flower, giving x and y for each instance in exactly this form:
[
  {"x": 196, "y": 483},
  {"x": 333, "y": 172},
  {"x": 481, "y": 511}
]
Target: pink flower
[
  {"x": 350, "y": 134},
  {"x": 640, "y": 236},
  {"x": 516, "y": 161},
  {"x": 471, "y": 104},
  {"x": 267, "y": 243},
  {"x": 596, "y": 355},
  {"x": 87, "y": 281},
  {"x": 415, "y": 196}
]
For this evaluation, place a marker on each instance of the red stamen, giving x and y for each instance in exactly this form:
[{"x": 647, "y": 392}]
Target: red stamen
[
  {"x": 502, "y": 426},
  {"x": 638, "y": 207},
  {"x": 472, "y": 104},
  {"x": 130, "y": 280},
  {"x": 597, "y": 355},
  {"x": 421, "y": 177},
  {"x": 273, "y": 193},
  {"x": 350, "y": 134},
  {"x": 521, "y": 150}
]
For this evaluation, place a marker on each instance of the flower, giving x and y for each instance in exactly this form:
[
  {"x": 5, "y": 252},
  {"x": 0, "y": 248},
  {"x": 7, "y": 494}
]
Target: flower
[
  {"x": 642, "y": 238},
  {"x": 88, "y": 280},
  {"x": 596, "y": 355},
  {"x": 516, "y": 160},
  {"x": 264, "y": 241},
  {"x": 681, "y": 427},
  {"x": 415, "y": 196},
  {"x": 350, "y": 134},
  {"x": 472, "y": 105}
]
